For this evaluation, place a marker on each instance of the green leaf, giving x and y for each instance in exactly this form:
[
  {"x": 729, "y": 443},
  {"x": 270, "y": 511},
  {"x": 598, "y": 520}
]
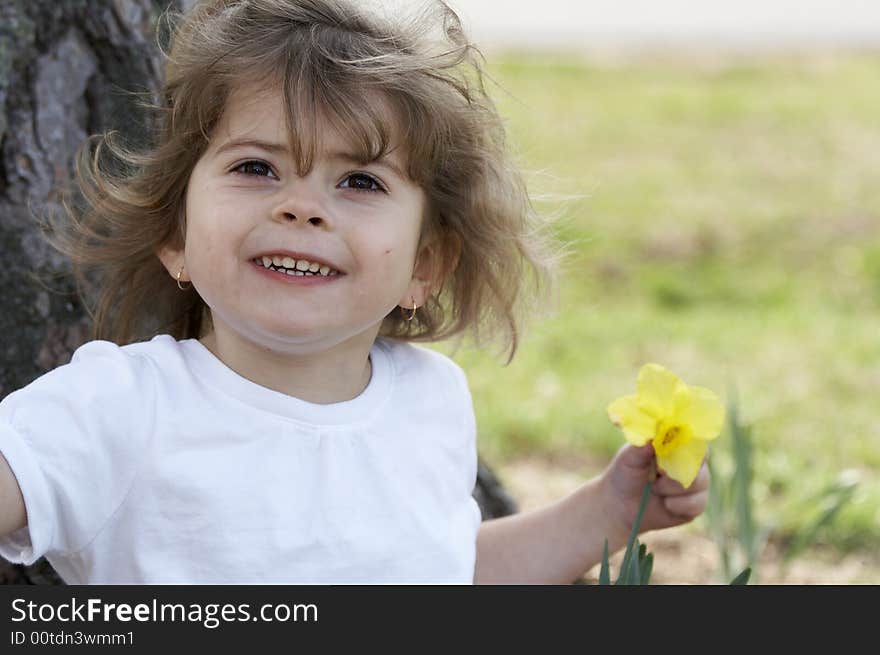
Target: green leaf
[
  {"x": 716, "y": 515},
  {"x": 627, "y": 556},
  {"x": 634, "y": 576},
  {"x": 647, "y": 567},
  {"x": 742, "y": 481},
  {"x": 742, "y": 578},
  {"x": 833, "y": 498},
  {"x": 604, "y": 571}
]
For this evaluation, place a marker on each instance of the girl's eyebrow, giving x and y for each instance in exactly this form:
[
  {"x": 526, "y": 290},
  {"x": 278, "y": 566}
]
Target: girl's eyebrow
[
  {"x": 268, "y": 146},
  {"x": 282, "y": 149},
  {"x": 385, "y": 162}
]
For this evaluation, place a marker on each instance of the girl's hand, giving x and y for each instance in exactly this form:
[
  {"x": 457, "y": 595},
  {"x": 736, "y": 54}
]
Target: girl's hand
[{"x": 670, "y": 504}]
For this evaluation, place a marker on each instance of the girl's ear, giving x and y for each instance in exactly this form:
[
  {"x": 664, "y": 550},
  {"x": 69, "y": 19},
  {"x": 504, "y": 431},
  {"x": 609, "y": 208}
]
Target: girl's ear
[
  {"x": 172, "y": 260},
  {"x": 434, "y": 263}
]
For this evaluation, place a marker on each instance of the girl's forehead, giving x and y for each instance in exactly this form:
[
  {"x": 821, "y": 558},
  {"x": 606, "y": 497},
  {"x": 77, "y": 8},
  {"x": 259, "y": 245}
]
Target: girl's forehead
[
  {"x": 258, "y": 111},
  {"x": 264, "y": 114}
]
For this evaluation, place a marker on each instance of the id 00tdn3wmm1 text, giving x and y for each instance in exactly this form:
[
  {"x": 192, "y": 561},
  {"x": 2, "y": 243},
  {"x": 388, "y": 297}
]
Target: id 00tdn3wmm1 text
[{"x": 64, "y": 638}]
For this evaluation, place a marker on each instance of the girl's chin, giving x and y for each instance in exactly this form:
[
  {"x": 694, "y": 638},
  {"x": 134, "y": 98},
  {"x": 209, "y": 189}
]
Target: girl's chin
[{"x": 290, "y": 328}]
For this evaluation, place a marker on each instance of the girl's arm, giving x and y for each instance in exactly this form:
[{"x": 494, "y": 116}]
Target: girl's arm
[
  {"x": 12, "y": 510},
  {"x": 555, "y": 544},
  {"x": 558, "y": 543}
]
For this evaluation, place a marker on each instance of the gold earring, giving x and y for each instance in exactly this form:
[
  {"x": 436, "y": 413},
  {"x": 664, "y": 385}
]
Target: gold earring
[
  {"x": 182, "y": 288},
  {"x": 413, "y": 313}
]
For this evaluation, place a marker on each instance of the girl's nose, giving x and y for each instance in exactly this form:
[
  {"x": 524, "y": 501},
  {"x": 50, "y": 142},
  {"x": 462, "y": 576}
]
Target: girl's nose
[
  {"x": 301, "y": 205},
  {"x": 312, "y": 220}
]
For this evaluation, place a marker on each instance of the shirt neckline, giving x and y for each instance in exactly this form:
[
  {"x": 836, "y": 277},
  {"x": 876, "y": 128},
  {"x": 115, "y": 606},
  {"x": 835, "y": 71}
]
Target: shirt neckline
[{"x": 214, "y": 372}]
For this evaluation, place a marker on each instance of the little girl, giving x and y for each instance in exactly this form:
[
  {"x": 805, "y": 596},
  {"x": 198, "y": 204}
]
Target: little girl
[{"x": 324, "y": 188}]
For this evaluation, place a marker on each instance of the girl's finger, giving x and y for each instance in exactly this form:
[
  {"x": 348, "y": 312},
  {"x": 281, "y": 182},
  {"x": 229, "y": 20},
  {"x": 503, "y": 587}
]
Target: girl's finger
[
  {"x": 636, "y": 457},
  {"x": 687, "y": 506},
  {"x": 666, "y": 486}
]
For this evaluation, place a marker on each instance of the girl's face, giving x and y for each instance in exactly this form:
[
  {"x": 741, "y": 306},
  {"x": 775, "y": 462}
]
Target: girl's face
[{"x": 350, "y": 230}]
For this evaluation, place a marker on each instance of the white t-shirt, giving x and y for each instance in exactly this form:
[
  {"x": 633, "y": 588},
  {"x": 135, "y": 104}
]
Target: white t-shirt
[{"x": 155, "y": 463}]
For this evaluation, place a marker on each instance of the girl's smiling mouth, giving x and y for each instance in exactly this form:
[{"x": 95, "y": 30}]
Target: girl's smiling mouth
[{"x": 296, "y": 268}]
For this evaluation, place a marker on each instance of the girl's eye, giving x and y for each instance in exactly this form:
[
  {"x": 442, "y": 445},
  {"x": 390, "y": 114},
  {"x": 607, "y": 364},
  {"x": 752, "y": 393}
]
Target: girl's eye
[
  {"x": 256, "y": 168},
  {"x": 362, "y": 182}
]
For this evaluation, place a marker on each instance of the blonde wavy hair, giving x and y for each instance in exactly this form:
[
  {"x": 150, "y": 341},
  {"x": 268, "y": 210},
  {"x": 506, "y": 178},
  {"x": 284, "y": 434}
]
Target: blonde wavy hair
[{"x": 330, "y": 59}]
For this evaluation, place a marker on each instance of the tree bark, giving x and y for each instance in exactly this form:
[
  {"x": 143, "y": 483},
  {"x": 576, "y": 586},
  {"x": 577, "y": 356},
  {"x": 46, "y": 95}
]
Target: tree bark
[
  {"x": 68, "y": 69},
  {"x": 65, "y": 68}
]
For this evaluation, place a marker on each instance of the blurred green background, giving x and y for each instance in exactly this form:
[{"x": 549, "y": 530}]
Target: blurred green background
[{"x": 724, "y": 218}]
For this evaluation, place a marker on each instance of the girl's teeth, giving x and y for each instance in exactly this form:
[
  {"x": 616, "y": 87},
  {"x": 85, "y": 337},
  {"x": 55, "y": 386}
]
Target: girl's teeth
[{"x": 295, "y": 267}]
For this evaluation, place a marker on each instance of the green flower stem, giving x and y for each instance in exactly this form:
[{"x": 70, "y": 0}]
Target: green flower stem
[{"x": 628, "y": 554}]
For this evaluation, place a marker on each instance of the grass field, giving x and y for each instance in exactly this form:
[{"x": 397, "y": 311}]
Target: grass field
[{"x": 725, "y": 222}]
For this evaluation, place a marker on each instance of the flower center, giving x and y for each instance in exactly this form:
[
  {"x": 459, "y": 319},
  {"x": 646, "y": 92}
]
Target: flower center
[{"x": 670, "y": 437}]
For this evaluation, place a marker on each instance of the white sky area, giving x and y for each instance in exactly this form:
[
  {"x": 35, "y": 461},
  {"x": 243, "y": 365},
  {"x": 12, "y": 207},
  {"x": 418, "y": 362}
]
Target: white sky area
[{"x": 718, "y": 23}]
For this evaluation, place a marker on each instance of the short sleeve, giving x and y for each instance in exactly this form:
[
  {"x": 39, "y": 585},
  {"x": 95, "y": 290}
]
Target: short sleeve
[
  {"x": 469, "y": 420},
  {"x": 74, "y": 439},
  {"x": 470, "y": 429}
]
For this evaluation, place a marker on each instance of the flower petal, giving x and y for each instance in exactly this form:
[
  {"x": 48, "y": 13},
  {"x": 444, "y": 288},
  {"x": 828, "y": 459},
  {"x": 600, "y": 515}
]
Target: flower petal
[
  {"x": 683, "y": 463},
  {"x": 702, "y": 410},
  {"x": 656, "y": 390},
  {"x": 638, "y": 427}
]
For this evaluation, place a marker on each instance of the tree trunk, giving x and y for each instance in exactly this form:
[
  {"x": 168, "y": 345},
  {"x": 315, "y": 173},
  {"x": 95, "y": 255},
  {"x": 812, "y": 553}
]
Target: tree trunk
[{"x": 67, "y": 70}]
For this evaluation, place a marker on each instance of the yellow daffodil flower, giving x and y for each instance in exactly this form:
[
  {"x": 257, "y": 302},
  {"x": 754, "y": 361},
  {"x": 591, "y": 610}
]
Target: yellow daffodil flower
[{"x": 677, "y": 418}]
